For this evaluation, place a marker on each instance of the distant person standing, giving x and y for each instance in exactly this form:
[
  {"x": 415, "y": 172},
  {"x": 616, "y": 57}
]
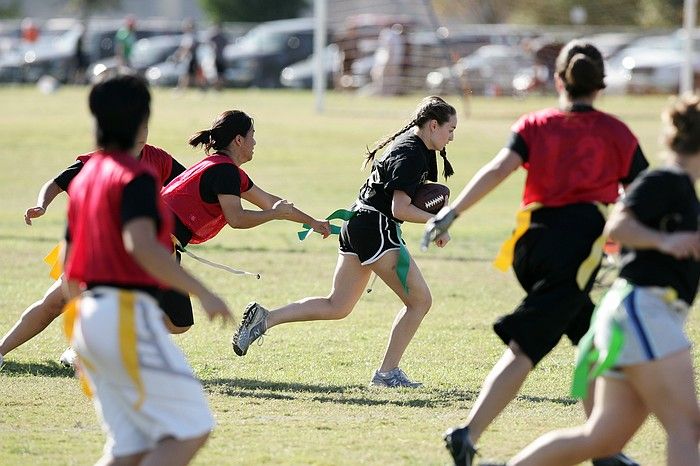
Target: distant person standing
[
  {"x": 389, "y": 60},
  {"x": 124, "y": 41},
  {"x": 187, "y": 55},
  {"x": 218, "y": 41}
]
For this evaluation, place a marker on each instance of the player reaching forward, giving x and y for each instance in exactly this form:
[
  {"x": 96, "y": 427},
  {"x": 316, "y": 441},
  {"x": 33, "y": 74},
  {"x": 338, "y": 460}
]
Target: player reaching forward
[{"x": 575, "y": 157}]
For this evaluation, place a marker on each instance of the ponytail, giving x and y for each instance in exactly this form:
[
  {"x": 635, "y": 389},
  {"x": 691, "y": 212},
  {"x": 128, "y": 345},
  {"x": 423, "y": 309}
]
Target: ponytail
[
  {"x": 201, "y": 138},
  {"x": 447, "y": 170}
]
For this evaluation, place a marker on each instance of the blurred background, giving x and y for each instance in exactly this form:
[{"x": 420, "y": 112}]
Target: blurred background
[{"x": 370, "y": 47}]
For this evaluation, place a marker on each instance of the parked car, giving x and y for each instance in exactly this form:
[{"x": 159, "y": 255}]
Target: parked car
[
  {"x": 299, "y": 75},
  {"x": 168, "y": 72},
  {"x": 258, "y": 58},
  {"x": 489, "y": 70},
  {"x": 651, "y": 64},
  {"x": 146, "y": 53}
]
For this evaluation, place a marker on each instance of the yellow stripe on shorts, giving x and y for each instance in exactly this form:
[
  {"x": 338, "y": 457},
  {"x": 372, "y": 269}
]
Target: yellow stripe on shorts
[
  {"x": 589, "y": 264},
  {"x": 53, "y": 261},
  {"x": 70, "y": 318},
  {"x": 128, "y": 342},
  {"x": 504, "y": 258}
]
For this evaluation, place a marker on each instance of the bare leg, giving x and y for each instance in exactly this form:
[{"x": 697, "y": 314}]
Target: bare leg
[
  {"x": 349, "y": 282},
  {"x": 667, "y": 387},
  {"x": 499, "y": 389},
  {"x": 417, "y": 302},
  {"x": 173, "y": 452},
  {"x": 172, "y": 328},
  {"x": 35, "y": 319},
  {"x": 617, "y": 414}
]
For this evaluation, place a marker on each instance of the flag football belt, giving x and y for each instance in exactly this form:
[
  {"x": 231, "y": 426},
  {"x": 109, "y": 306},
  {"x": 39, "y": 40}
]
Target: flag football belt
[{"x": 404, "y": 260}]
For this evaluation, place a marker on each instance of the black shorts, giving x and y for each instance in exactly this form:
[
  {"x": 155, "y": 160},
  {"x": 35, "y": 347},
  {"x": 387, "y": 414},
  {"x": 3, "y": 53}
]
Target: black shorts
[
  {"x": 368, "y": 235},
  {"x": 549, "y": 260},
  {"x": 177, "y": 306}
]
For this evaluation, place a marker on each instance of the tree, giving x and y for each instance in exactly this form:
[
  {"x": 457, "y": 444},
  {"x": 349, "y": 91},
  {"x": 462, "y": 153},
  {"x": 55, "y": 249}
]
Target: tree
[{"x": 253, "y": 11}]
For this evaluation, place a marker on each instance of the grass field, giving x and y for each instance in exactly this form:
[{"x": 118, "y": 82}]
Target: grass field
[{"x": 302, "y": 397}]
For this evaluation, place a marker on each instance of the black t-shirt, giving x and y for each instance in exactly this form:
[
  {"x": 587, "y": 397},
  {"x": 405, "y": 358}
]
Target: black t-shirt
[
  {"x": 222, "y": 178},
  {"x": 664, "y": 200},
  {"x": 405, "y": 166},
  {"x": 66, "y": 176}
]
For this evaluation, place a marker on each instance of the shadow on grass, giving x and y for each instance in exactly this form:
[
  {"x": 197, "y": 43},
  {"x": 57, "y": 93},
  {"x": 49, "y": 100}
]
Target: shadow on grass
[
  {"x": 360, "y": 395},
  {"x": 42, "y": 369}
]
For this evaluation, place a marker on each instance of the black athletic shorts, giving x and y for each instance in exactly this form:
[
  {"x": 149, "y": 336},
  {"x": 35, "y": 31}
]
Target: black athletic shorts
[
  {"x": 368, "y": 235},
  {"x": 549, "y": 260},
  {"x": 177, "y": 306}
]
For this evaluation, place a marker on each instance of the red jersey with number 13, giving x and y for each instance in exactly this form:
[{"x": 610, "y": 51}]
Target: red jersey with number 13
[{"x": 574, "y": 157}]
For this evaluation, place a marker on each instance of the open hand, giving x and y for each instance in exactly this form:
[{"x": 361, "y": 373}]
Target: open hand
[{"x": 33, "y": 212}]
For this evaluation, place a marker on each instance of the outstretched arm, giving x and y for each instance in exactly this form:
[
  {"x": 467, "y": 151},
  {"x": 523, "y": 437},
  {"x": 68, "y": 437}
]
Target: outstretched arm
[
  {"x": 487, "y": 179},
  {"x": 265, "y": 200},
  {"x": 47, "y": 194}
]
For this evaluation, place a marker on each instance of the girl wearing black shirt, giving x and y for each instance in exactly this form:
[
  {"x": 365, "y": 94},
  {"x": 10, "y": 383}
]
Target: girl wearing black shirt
[{"x": 370, "y": 241}]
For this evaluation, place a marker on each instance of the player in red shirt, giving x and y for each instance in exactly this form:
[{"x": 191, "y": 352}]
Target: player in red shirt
[
  {"x": 650, "y": 368},
  {"x": 117, "y": 256},
  {"x": 576, "y": 158},
  {"x": 207, "y": 196},
  {"x": 40, "y": 314}
]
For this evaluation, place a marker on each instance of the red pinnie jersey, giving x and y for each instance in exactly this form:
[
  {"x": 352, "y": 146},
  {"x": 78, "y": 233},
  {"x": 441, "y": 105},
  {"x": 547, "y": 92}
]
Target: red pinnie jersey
[
  {"x": 203, "y": 219},
  {"x": 158, "y": 160},
  {"x": 97, "y": 253},
  {"x": 574, "y": 156}
]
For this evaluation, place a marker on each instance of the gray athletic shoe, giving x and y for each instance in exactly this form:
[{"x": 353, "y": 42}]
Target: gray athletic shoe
[
  {"x": 253, "y": 326},
  {"x": 395, "y": 378}
]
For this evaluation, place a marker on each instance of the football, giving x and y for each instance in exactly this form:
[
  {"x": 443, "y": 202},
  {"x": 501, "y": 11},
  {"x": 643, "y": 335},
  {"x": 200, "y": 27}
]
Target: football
[{"x": 431, "y": 197}]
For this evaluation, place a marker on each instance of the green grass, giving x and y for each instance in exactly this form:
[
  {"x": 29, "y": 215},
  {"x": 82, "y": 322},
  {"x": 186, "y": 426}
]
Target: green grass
[{"x": 301, "y": 398}]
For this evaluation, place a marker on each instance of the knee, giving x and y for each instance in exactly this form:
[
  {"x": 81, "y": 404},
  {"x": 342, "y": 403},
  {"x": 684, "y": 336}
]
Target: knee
[
  {"x": 339, "y": 309},
  {"x": 51, "y": 305},
  {"x": 601, "y": 444},
  {"x": 421, "y": 301}
]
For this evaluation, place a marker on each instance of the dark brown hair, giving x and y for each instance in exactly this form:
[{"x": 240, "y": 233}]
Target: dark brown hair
[
  {"x": 430, "y": 108},
  {"x": 223, "y": 130},
  {"x": 120, "y": 105},
  {"x": 682, "y": 125},
  {"x": 581, "y": 69}
]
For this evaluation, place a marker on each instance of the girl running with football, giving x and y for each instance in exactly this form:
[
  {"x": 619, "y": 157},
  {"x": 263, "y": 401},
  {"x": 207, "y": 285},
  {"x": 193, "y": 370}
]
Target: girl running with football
[
  {"x": 370, "y": 241},
  {"x": 652, "y": 371},
  {"x": 576, "y": 157}
]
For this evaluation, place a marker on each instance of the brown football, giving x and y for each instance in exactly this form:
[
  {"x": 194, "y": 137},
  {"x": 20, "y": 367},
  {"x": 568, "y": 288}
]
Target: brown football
[{"x": 431, "y": 197}]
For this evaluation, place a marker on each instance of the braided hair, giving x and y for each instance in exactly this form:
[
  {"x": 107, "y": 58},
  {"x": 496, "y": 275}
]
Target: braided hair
[
  {"x": 224, "y": 129},
  {"x": 430, "y": 108}
]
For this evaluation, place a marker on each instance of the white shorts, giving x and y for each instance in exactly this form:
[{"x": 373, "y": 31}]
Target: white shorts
[
  {"x": 652, "y": 321},
  {"x": 144, "y": 389}
]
